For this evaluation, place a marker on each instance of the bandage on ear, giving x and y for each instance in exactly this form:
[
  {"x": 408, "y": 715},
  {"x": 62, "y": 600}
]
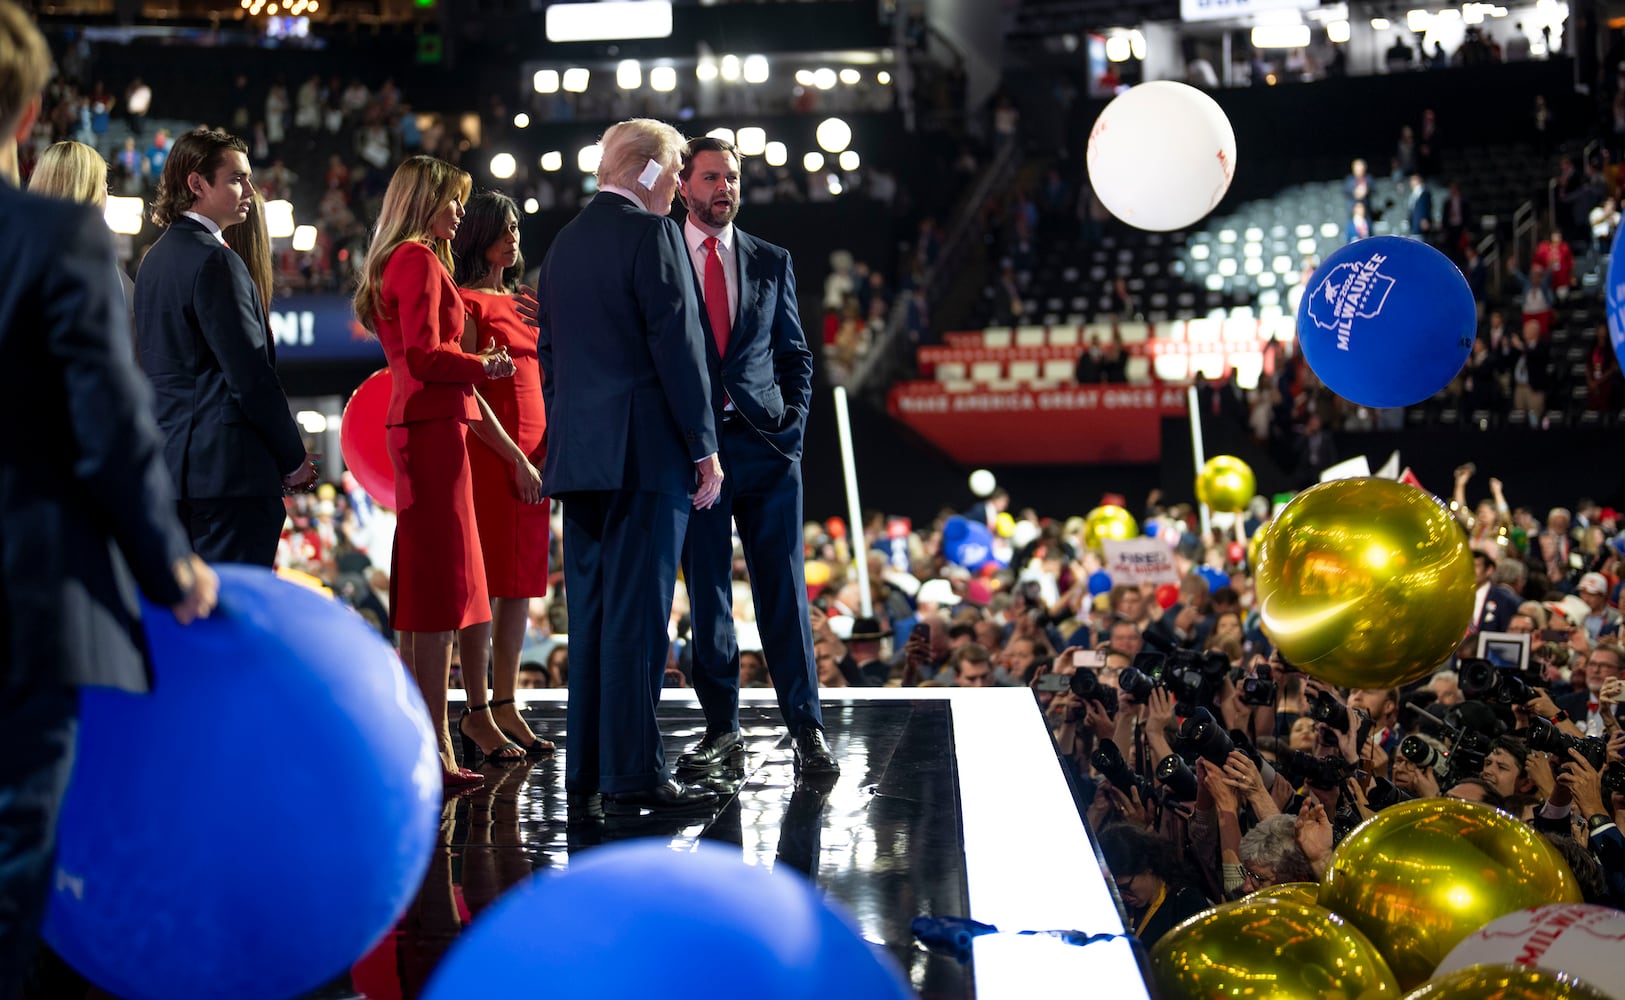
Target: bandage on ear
[{"x": 651, "y": 173}]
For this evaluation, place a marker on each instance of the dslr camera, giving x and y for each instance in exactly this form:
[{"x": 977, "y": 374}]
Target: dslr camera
[
  {"x": 1484, "y": 681},
  {"x": 1547, "y": 738},
  {"x": 1108, "y": 760},
  {"x": 1324, "y": 773},
  {"x": 1087, "y": 686}
]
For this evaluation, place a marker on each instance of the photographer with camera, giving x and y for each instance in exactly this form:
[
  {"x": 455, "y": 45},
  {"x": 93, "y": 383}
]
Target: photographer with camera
[
  {"x": 1417, "y": 765},
  {"x": 1599, "y": 803}
]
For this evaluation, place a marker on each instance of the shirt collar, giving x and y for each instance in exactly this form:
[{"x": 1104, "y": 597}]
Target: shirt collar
[
  {"x": 209, "y": 224},
  {"x": 695, "y": 236},
  {"x": 624, "y": 193}
]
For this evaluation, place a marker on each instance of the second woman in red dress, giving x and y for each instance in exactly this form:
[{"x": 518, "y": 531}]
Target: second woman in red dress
[{"x": 507, "y": 448}]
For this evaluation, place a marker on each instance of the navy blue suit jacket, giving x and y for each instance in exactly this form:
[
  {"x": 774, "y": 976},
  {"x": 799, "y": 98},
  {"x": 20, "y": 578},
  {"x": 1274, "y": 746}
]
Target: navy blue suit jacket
[
  {"x": 87, "y": 506},
  {"x": 205, "y": 345},
  {"x": 624, "y": 374},
  {"x": 1500, "y": 604},
  {"x": 767, "y": 372}
]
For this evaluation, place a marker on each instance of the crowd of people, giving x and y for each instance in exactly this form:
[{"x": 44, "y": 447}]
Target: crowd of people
[{"x": 1286, "y": 765}]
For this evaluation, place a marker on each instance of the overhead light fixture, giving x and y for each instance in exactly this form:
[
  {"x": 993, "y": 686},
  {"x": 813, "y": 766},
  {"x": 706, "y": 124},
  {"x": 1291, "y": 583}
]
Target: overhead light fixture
[
  {"x": 1337, "y": 31},
  {"x": 1117, "y": 48},
  {"x": 628, "y": 74},
  {"x": 705, "y": 70},
  {"x": 304, "y": 239},
  {"x": 848, "y": 160},
  {"x": 814, "y": 162},
  {"x": 725, "y": 134},
  {"x": 730, "y": 68},
  {"x": 824, "y": 79},
  {"x": 1380, "y": 24},
  {"x": 311, "y": 421},
  {"x": 752, "y": 140},
  {"x": 587, "y": 158},
  {"x": 1418, "y": 20},
  {"x": 279, "y": 218},
  {"x": 532, "y": 206},
  {"x": 546, "y": 81},
  {"x": 804, "y": 77},
  {"x": 576, "y": 79},
  {"x": 776, "y": 154},
  {"x": 850, "y": 76},
  {"x": 833, "y": 182},
  {"x": 608, "y": 20},
  {"x": 521, "y": 120},
  {"x": 552, "y": 160},
  {"x": 1280, "y": 36},
  {"x": 123, "y": 215},
  {"x": 663, "y": 79},
  {"x": 503, "y": 166},
  {"x": 1136, "y": 44},
  {"x": 883, "y": 78},
  {"x": 756, "y": 69},
  {"x": 833, "y": 135}
]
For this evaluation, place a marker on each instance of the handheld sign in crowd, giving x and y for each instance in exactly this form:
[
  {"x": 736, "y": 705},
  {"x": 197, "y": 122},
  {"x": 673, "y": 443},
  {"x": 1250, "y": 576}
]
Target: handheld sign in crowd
[{"x": 1140, "y": 560}]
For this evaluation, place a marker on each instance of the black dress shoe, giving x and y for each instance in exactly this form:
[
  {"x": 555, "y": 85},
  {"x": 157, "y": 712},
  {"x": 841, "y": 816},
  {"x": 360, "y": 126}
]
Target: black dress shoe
[
  {"x": 714, "y": 749},
  {"x": 670, "y": 795},
  {"x": 583, "y": 808},
  {"x": 813, "y": 755}
]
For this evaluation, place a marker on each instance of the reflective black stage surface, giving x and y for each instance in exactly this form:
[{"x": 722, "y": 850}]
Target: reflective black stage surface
[{"x": 884, "y": 840}]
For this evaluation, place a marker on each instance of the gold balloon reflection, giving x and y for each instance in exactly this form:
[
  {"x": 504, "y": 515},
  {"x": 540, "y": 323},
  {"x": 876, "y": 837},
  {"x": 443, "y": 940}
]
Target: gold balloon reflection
[
  {"x": 1307, "y": 893},
  {"x": 1365, "y": 582},
  {"x": 1269, "y": 948},
  {"x": 1506, "y": 982},
  {"x": 1421, "y": 876},
  {"x": 1108, "y": 522},
  {"x": 1226, "y": 484}
]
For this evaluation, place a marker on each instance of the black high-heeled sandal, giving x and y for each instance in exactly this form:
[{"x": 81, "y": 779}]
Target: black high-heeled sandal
[
  {"x": 539, "y": 748},
  {"x": 494, "y": 755}
]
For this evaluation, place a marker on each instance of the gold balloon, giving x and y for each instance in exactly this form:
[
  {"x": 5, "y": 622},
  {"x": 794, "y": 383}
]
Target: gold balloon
[
  {"x": 1307, "y": 893},
  {"x": 1506, "y": 982},
  {"x": 1365, "y": 582},
  {"x": 1108, "y": 522},
  {"x": 1252, "y": 547},
  {"x": 1421, "y": 876},
  {"x": 1226, "y": 484},
  {"x": 1269, "y": 948}
]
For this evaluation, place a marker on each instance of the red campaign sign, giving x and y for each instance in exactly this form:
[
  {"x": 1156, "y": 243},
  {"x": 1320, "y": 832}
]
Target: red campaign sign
[
  {"x": 930, "y": 357},
  {"x": 1106, "y": 423}
]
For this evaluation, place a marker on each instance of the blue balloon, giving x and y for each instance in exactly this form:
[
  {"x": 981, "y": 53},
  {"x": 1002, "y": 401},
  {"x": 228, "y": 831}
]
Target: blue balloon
[
  {"x": 1100, "y": 582},
  {"x": 638, "y": 920},
  {"x": 1215, "y": 578},
  {"x": 261, "y": 819},
  {"x": 967, "y": 543},
  {"x": 1614, "y": 294},
  {"x": 1386, "y": 321}
]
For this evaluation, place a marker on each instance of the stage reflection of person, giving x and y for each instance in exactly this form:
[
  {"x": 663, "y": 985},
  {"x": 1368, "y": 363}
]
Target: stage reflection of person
[{"x": 507, "y": 449}]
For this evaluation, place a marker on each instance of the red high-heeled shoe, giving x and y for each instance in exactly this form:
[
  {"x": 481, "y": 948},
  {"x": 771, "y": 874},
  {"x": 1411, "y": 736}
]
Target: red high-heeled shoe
[{"x": 460, "y": 778}]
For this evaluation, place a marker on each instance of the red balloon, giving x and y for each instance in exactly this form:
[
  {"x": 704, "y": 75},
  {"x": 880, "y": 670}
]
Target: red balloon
[
  {"x": 1235, "y": 552},
  {"x": 835, "y": 527},
  {"x": 1167, "y": 596},
  {"x": 362, "y": 437}
]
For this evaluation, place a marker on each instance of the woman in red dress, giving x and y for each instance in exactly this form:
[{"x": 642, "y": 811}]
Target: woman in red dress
[
  {"x": 437, "y": 575},
  {"x": 506, "y": 450}
]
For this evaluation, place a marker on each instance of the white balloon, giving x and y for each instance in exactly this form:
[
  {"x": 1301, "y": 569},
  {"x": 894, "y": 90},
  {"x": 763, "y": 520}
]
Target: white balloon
[
  {"x": 1161, "y": 155},
  {"x": 1577, "y": 938},
  {"x": 982, "y": 482}
]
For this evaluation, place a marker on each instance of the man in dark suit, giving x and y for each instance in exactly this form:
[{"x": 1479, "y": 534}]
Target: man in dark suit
[
  {"x": 84, "y": 498},
  {"x": 761, "y": 388},
  {"x": 1493, "y": 604},
  {"x": 629, "y": 430},
  {"x": 231, "y": 444}
]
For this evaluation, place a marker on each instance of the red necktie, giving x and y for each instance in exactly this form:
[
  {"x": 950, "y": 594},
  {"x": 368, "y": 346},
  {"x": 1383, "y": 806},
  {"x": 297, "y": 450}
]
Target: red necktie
[{"x": 716, "y": 295}]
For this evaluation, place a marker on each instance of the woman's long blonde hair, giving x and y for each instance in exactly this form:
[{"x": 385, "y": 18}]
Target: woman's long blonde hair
[
  {"x": 421, "y": 187},
  {"x": 74, "y": 171},
  {"x": 251, "y": 240}
]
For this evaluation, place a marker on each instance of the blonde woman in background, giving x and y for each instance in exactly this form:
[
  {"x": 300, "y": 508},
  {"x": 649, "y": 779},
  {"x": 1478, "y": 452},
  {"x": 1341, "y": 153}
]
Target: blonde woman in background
[
  {"x": 251, "y": 240},
  {"x": 75, "y": 171}
]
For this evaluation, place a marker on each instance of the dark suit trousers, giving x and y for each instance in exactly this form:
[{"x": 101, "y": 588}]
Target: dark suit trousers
[
  {"x": 234, "y": 529},
  {"x": 621, "y": 551},
  {"x": 761, "y": 491},
  {"x": 38, "y": 726}
]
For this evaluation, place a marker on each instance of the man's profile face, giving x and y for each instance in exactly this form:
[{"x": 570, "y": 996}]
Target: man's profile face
[
  {"x": 975, "y": 673},
  {"x": 228, "y": 196},
  {"x": 711, "y": 191}
]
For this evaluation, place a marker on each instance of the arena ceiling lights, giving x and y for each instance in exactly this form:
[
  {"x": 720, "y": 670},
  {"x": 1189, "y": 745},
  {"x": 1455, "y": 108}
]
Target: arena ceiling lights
[{"x": 609, "y": 20}]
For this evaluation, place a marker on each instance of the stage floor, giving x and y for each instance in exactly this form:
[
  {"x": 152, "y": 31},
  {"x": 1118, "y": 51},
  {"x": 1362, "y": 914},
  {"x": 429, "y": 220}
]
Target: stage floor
[{"x": 950, "y": 802}]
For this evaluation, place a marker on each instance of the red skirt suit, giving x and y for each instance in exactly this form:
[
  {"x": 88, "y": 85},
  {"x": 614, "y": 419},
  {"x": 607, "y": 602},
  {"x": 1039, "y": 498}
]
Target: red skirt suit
[
  {"x": 437, "y": 575},
  {"x": 513, "y": 534}
]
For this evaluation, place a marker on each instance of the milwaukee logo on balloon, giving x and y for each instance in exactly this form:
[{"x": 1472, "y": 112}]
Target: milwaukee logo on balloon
[{"x": 1350, "y": 291}]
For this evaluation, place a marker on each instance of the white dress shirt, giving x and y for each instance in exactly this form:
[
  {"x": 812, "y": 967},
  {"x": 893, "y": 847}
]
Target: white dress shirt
[
  {"x": 624, "y": 193},
  {"x": 209, "y": 224},
  {"x": 726, "y": 250}
]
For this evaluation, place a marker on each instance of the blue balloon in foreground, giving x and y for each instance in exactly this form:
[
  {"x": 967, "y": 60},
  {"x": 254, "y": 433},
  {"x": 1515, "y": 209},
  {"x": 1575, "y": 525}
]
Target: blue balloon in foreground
[
  {"x": 1215, "y": 578},
  {"x": 1100, "y": 582},
  {"x": 638, "y": 920},
  {"x": 1614, "y": 294},
  {"x": 255, "y": 824},
  {"x": 1386, "y": 321}
]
